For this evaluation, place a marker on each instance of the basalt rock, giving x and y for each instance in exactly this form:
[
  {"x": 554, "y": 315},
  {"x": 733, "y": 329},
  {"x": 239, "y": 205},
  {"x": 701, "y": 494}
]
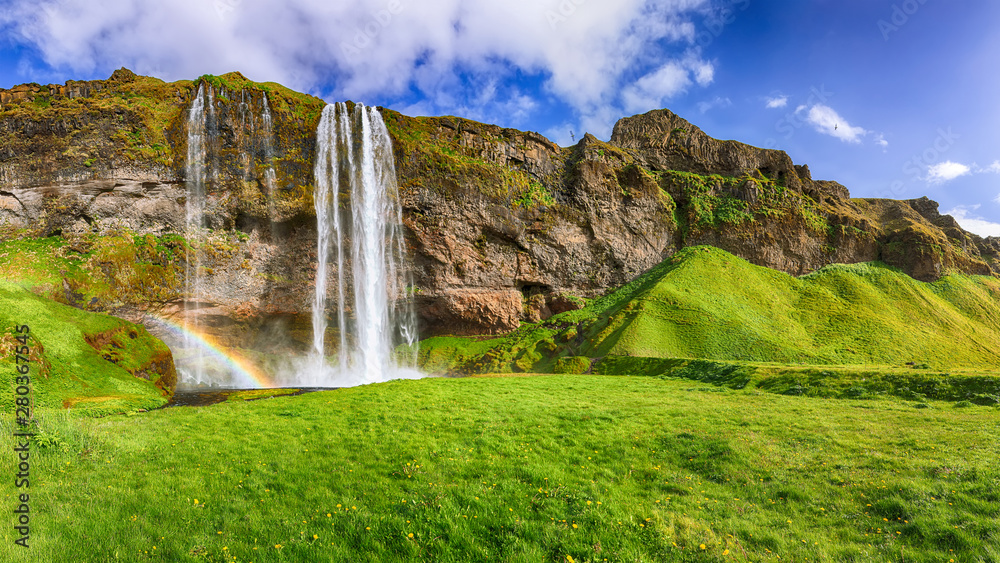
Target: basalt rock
[
  {"x": 662, "y": 140},
  {"x": 502, "y": 226}
]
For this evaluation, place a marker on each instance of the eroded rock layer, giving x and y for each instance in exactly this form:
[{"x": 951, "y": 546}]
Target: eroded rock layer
[{"x": 502, "y": 226}]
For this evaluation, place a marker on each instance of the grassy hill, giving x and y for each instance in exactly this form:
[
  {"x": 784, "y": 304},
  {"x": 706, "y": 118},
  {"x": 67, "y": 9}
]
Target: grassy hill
[
  {"x": 705, "y": 303},
  {"x": 84, "y": 361}
]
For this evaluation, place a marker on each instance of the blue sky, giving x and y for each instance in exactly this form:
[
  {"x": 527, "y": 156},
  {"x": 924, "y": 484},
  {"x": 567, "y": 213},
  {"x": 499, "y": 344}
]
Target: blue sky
[{"x": 892, "y": 98}]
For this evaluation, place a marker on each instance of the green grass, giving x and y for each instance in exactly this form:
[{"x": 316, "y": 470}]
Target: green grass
[
  {"x": 436, "y": 156},
  {"x": 549, "y": 468},
  {"x": 84, "y": 361},
  {"x": 919, "y": 383},
  {"x": 706, "y": 303},
  {"x": 98, "y": 272}
]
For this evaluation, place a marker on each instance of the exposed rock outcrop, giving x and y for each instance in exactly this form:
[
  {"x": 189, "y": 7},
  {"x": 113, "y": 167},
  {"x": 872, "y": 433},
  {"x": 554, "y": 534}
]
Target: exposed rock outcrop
[
  {"x": 661, "y": 140},
  {"x": 502, "y": 225}
]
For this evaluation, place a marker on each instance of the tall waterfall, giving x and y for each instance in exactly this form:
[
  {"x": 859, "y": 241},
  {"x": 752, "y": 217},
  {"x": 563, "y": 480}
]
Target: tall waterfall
[
  {"x": 359, "y": 224},
  {"x": 192, "y": 366}
]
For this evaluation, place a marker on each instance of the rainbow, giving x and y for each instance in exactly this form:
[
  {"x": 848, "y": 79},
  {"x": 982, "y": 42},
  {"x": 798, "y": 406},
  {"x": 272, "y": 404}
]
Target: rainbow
[{"x": 248, "y": 374}]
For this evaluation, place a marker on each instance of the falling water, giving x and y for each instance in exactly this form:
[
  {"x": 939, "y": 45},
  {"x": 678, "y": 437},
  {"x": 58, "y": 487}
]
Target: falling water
[
  {"x": 363, "y": 233},
  {"x": 192, "y": 366},
  {"x": 199, "y": 360},
  {"x": 269, "y": 175}
]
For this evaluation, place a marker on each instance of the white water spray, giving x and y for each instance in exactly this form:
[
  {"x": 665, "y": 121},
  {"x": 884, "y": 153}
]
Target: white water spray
[
  {"x": 192, "y": 365},
  {"x": 359, "y": 224}
]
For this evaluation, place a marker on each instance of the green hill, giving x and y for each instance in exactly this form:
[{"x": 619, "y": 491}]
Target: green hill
[
  {"x": 704, "y": 303},
  {"x": 80, "y": 360}
]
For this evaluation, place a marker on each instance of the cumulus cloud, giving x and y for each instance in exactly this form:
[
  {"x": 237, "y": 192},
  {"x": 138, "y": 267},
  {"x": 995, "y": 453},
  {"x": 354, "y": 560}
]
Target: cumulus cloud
[
  {"x": 825, "y": 120},
  {"x": 946, "y": 171},
  {"x": 776, "y": 102},
  {"x": 995, "y": 167},
  {"x": 974, "y": 224},
  {"x": 880, "y": 141},
  {"x": 649, "y": 91},
  {"x": 652, "y": 90},
  {"x": 585, "y": 54},
  {"x": 997, "y": 198}
]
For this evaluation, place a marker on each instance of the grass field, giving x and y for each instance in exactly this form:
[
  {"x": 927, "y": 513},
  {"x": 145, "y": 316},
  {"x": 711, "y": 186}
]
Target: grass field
[{"x": 547, "y": 468}]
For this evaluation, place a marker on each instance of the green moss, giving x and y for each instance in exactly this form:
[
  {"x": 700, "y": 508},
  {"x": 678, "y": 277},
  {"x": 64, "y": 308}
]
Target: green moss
[
  {"x": 447, "y": 355},
  {"x": 89, "y": 362},
  {"x": 572, "y": 364},
  {"x": 98, "y": 272},
  {"x": 707, "y": 202},
  {"x": 434, "y": 156},
  {"x": 302, "y": 107}
]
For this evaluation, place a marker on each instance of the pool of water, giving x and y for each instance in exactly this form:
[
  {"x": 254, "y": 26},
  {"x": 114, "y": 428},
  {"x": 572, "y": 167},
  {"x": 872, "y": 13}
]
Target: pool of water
[{"x": 205, "y": 397}]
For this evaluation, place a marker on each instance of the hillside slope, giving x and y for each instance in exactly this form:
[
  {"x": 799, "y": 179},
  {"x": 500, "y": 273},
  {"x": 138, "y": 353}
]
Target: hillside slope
[
  {"x": 706, "y": 303},
  {"x": 84, "y": 361}
]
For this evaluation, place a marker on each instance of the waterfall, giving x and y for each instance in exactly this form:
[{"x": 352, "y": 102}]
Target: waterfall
[
  {"x": 359, "y": 225},
  {"x": 192, "y": 364},
  {"x": 269, "y": 176}
]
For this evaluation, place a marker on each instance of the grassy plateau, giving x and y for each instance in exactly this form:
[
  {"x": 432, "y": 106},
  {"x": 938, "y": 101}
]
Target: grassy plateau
[{"x": 85, "y": 361}]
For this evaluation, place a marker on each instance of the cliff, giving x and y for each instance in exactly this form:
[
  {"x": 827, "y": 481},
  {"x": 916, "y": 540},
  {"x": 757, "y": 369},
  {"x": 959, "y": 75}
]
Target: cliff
[{"x": 502, "y": 225}]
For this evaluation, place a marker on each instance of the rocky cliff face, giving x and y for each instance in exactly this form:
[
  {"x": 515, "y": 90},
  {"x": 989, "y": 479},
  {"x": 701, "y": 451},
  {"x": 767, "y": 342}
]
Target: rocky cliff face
[{"x": 503, "y": 226}]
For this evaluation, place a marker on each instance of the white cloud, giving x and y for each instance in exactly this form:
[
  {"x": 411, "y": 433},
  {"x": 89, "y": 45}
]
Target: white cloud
[
  {"x": 997, "y": 198},
  {"x": 995, "y": 167},
  {"x": 974, "y": 224},
  {"x": 777, "y": 102},
  {"x": 880, "y": 141},
  {"x": 584, "y": 52},
  {"x": 675, "y": 77},
  {"x": 946, "y": 171},
  {"x": 825, "y": 120},
  {"x": 649, "y": 91},
  {"x": 704, "y": 72},
  {"x": 718, "y": 102}
]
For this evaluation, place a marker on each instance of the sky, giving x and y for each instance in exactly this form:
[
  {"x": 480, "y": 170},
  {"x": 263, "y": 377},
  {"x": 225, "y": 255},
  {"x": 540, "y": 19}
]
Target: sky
[{"x": 892, "y": 98}]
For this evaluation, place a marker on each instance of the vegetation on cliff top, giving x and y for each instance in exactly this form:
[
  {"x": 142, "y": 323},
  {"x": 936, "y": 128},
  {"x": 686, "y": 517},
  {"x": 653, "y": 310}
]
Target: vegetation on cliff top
[
  {"x": 436, "y": 158},
  {"x": 302, "y": 106},
  {"x": 141, "y": 108},
  {"x": 132, "y": 118},
  {"x": 87, "y": 362}
]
